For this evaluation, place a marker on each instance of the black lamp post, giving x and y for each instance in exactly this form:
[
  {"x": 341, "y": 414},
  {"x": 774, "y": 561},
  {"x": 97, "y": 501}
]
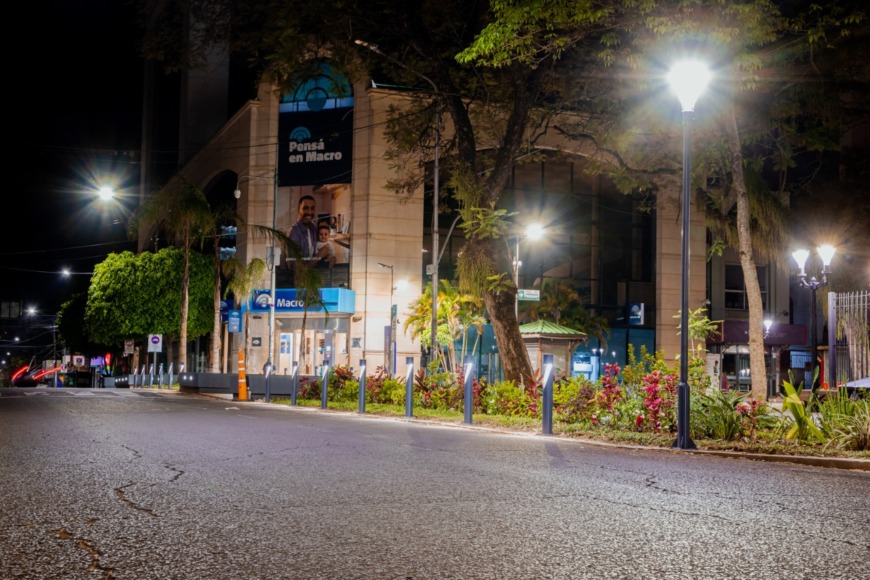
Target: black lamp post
[
  {"x": 688, "y": 79},
  {"x": 826, "y": 253}
]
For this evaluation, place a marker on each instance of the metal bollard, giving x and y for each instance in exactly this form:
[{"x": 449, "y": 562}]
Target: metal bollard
[
  {"x": 170, "y": 375},
  {"x": 469, "y": 389},
  {"x": 547, "y": 396},
  {"x": 409, "y": 387},
  {"x": 362, "y": 386},
  {"x": 324, "y": 386},
  {"x": 294, "y": 382}
]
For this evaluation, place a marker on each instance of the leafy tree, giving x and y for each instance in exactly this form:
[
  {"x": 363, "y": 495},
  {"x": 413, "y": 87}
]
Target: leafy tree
[
  {"x": 72, "y": 332},
  {"x": 769, "y": 121},
  {"x": 133, "y": 295}
]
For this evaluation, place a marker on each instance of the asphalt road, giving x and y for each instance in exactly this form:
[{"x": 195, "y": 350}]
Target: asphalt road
[{"x": 155, "y": 484}]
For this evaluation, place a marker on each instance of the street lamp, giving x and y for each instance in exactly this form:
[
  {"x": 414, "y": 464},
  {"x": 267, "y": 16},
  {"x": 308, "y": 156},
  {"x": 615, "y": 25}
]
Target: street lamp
[
  {"x": 436, "y": 256},
  {"x": 688, "y": 79},
  {"x": 826, "y": 253},
  {"x": 534, "y": 232},
  {"x": 273, "y": 255},
  {"x": 393, "y": 310}
]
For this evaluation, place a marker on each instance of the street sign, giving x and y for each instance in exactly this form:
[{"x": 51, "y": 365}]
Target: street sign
[
  {"x": 155, "y": 343},
  {"x": 530, "y": 295},
  {"x": 234, "y": 321},
  {"x": 129, "y": 347}
]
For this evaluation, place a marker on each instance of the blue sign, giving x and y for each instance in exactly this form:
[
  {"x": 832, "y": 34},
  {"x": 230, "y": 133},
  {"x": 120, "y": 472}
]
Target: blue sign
[
  {"x": 335, "y": 300},
  {"x": 635, "y": 314},
  {"x": 226, "y": 306},
  {"x": 234, "y": 321}
]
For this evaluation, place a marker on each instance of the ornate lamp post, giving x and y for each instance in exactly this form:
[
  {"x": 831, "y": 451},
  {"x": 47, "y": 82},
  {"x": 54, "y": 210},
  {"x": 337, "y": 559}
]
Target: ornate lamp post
[
  {"x": 688, "y": 79},
  {"x": 826, "y": 253}
]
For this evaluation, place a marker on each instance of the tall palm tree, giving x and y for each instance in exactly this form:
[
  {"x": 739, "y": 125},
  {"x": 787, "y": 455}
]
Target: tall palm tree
[
  {"x": 241, "y": 279},
  {"x": 181, "y": 212}
]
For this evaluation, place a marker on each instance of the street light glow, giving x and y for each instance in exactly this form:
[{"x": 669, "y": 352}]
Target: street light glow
[{"x": 688, "y": 80}]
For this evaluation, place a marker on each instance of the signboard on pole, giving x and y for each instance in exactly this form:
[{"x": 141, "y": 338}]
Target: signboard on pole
[
  {"x": 129, "y": 347},
  {"x": 530, "y": 295},
  {"x": 155, "y": 343},
  {"x": 234, "y": 321}
]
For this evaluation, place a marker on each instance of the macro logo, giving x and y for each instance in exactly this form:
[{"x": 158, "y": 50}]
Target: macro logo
[
  {"x": 263, "y": 300},
  {"x": 300, "y": 134}
]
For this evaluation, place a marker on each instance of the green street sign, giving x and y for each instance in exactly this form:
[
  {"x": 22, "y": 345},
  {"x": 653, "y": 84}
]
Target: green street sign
[{"x": 529, "y": 295}]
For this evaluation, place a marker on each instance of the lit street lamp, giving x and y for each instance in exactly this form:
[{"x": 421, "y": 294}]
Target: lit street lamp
[
  {"x": 436, "y": 255},
  {"x": 688, "y": 79},
  {"x": 534, "y": 232},
  {"x": 826, "y": 253}
]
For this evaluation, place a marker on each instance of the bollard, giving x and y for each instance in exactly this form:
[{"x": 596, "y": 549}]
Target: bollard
[
  {"x": 151, "y": 376},
  {"x": 468, "y": 398},
  {"x": 362, "y": 386},
  {"x": 268, "y": 371},
  {"x": 294, "y": 384},
  {"x": 170, "y": 374},
  {"x": 547, "y": 396},
  {"x": 409, "y": 387},
  {"x": 324, "y": 386},
  {"x": 160, "y": 376}
]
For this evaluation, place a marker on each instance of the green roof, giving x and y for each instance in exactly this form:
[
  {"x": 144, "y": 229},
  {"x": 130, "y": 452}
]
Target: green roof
[{"x": 550, "y": 328}]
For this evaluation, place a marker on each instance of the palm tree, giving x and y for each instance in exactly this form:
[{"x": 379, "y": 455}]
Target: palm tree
[
  {"x": 241, "y": 279},
  {"x": 181, "y": 211}
]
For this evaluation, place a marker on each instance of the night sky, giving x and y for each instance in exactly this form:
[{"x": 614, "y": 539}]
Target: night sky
[{"x": 75, "y": 123}]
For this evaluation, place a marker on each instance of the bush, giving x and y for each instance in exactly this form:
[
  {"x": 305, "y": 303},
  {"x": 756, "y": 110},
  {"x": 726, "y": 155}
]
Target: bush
[{"x": 727, "y": 415}]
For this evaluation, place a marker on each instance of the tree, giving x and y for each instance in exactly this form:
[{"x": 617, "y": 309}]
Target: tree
[
  {"x": 182, "y": 212},
  {"x": 133, "y": 295},
  {"x": 241, "y": 284},
  {"x": 769, "y": 117}
]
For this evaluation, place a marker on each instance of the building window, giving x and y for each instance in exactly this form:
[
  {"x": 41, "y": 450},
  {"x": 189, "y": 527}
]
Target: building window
[{"x": 735, "y": 288}]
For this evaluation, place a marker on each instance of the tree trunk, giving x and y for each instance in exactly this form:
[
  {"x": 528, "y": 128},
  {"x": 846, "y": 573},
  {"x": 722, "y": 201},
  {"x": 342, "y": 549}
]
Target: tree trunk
[
  {"x": 214, "y": 343},
  {"x": 511, "y": 349},
  {"x": 757, "y": 368},
  {"x": 185, "y": 305}
]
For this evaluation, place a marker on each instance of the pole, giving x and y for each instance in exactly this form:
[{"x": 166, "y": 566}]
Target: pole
[
  {"x": 435, "y": 226},
  {"x": 517, "y": 280},
  {"x": 275, "y": 257},
  {"x": 814, "y": 346},
  {"x": 684, "y": 441}
]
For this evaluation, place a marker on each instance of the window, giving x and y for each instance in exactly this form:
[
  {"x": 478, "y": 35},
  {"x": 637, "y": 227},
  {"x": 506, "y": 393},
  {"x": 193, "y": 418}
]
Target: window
[{"x": 735, "y": 289}]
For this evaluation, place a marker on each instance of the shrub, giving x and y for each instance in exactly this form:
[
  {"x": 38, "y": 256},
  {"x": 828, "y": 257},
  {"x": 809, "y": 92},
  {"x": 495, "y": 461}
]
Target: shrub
[
  {"x": 660, "y": 395},
  {"x": 574, "y": 399},
  {"x": 505, "y": 398},
  {"x": 853, "y": 431},
  {"x": 727, "y": 415}
]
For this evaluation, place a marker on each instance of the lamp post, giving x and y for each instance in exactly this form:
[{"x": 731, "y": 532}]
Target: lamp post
[
  {"x": 436, "y": 256},
  {"x": 688, "y": 79},
  {"x": 534, "y": 232},
  {"x": 392, "y": 341},
  {"x": 826, "y": 253},
  {"x": 272, "y": 257}
]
